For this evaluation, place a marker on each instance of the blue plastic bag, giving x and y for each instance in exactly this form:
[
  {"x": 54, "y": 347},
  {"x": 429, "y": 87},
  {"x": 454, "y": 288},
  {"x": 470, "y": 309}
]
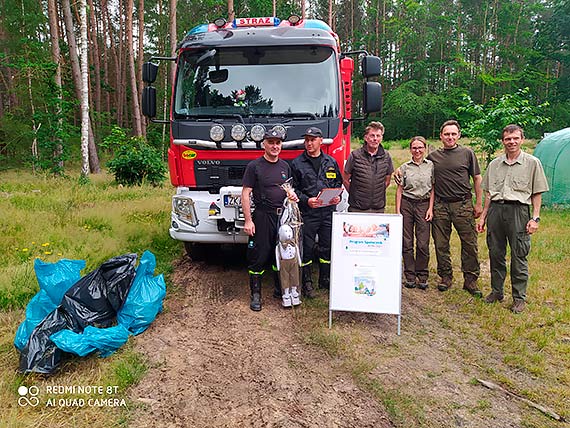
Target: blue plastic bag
[
  {"x": 104, "y": 340},
  {"x": 75, "y": 323},
  {"x": 54, "y": 280},
  {"x": 92, "y": 301},
  {"x": 144, "y": 301}
]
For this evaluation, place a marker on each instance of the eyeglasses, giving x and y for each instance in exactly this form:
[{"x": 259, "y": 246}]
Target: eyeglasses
[{"x": 418, "y": 148}]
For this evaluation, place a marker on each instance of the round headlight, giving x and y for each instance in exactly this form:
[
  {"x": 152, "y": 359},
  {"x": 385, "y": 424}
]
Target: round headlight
[
  {"x": 220, "y": 22},
  {"x": 294, "y": 19},
  {"x": 217, "y": 133},
  {"x": 238, "y": 132},
  {"x": 281, "y": 129},
  {"x": 257, "y": 132}
]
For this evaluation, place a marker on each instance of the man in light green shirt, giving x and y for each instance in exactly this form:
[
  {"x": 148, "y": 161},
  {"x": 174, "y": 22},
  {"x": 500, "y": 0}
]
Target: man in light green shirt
[{"x": 513, "y": 182}]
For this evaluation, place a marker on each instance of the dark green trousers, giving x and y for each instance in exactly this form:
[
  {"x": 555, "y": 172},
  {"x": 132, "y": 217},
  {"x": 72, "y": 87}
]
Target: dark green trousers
[
  {"x": 507, "y": 223},
  {"x": 460, "y": 215}
]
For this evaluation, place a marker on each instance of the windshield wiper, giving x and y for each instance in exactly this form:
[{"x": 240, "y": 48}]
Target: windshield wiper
[
  {"x": 297, "y": 115},
  {"x": 212, "y": 116}
]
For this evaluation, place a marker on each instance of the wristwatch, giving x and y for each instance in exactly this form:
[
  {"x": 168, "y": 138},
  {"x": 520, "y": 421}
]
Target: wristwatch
[{"x": 535, "y": 219}]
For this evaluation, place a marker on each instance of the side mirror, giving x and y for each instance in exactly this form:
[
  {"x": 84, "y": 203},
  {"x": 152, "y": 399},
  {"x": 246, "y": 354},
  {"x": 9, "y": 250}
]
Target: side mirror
[
  {"x": 149, "y": 72},
  {"x": 372, "y": 97},
  {"x": 218, "y": 76},
  {"x": 371, "y": 66},
  {"x": 149, "y": 101}
]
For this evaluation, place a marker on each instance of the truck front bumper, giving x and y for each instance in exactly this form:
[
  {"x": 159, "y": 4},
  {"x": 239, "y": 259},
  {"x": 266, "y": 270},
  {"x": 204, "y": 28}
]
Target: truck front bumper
[{"x": 204, "y": 218}]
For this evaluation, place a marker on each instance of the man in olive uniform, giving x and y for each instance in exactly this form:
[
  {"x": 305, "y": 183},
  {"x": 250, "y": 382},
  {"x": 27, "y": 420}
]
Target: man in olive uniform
[
  {"x": 513, "y": 182},
  {"x": 454, "y": 167}
]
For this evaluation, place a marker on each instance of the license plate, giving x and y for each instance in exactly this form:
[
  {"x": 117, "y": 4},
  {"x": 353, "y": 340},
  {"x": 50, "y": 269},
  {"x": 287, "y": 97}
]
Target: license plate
[{"x": 232, "y": 200}]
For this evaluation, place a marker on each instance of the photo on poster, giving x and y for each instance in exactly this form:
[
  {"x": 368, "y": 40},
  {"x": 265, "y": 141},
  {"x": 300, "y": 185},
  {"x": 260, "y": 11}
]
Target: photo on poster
[
  {"x": 366, "y": 237},
  {"x": 366, "y": 280}
]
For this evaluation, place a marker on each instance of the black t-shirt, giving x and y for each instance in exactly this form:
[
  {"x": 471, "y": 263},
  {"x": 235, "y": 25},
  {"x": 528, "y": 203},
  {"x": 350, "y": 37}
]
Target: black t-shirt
[
  {"x": 316, "y": 161},
  {"x": 266, "y": 178}
]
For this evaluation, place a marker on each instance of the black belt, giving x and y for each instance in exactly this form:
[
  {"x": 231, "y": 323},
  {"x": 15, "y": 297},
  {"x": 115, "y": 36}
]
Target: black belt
[
  {"x": 414, "y": 201},
  {"x": 505, "y": 202},
  {"x": 451, "y": 200},
  {"x": 276, "y": 211}
]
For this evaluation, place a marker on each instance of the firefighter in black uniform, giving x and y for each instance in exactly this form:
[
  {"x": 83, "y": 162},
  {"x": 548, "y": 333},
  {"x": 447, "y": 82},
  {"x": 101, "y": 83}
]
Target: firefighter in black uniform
[
  {"x": 263, "y": 177},
  {"x": 313, "y": 171}
]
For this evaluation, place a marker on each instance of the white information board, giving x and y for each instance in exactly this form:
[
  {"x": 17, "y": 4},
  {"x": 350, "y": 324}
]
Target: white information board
[{"x": 366, "y": 267}]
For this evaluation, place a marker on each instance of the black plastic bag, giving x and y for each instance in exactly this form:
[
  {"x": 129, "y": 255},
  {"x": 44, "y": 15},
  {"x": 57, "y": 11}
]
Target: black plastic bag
[{"x": 93, "y": 300}]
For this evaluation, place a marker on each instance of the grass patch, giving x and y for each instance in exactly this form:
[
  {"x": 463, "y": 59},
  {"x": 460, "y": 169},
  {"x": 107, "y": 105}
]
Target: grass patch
[
  {"x": 51, "y": 219},
  {"x": 526, "y": 354}
]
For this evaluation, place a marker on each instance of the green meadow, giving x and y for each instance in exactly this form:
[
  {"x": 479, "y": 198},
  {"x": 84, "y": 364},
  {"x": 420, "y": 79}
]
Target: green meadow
[{"x": 54, "y": 218}]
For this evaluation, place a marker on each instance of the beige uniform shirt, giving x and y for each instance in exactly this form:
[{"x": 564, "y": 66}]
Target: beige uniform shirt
[
  {"x": 517, "y": 181},
  {"x": 417, "y": 179}
]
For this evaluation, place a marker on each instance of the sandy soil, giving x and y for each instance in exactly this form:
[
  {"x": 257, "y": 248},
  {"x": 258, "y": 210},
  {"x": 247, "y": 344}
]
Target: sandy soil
[{"x": 216, "y": 363}]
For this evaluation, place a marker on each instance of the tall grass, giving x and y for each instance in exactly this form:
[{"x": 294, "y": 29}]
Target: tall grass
[
  {"x": 528, "y": 353},
  {"x": 55, "y": 218}
]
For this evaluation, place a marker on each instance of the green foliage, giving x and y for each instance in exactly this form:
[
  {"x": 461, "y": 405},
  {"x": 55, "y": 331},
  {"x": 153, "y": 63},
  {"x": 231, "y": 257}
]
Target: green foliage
[
  {"x": 411, "y": 109},
  {"x": 485, "y": 122},
  {"x": 135, "y": 161},
  {"x": 54, "y": 131}
]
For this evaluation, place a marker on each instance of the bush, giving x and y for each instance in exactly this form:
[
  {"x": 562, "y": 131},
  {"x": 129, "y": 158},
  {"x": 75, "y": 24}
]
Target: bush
[
  {"x": 135, "y": 161},
  {"x": 484, "y": 123}
]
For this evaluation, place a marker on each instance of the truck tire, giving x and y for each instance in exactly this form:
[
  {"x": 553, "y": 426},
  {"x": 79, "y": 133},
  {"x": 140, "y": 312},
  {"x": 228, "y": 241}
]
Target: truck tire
[{"x": 196, "y": 252}]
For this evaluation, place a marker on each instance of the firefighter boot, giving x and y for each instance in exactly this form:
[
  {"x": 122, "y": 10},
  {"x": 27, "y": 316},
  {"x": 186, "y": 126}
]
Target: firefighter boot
[
  {"x": 324, "y": 276},
  {"x": 255, "y": 287},
  {"x": 307, "y": 288},
  {"x": 276, "y": 284}
]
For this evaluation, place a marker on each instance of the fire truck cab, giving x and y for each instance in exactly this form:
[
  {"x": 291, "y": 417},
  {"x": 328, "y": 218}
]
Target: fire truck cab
[{"x": 235, "y": 80}]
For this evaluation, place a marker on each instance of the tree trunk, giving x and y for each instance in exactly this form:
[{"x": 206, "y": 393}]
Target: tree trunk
[
  {"x": 94, "y": 39},
  {"x": 173, "y": 37},
  {"x": 136, "y": 113},
  {"x": 56, "y": 57},
  {"x": 34, "y": 125},
  {"x": 84, "y": 92},
  {"x": 120, "y": 70},
  {"x": 95, "y": 166},
  {"x": 140, "y": 57},
  {"x": 231, "y": 11},
  {"x": 112, "y": 62}
]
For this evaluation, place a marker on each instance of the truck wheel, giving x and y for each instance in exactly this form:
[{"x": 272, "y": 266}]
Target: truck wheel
[{"x": 197, "y": 252}]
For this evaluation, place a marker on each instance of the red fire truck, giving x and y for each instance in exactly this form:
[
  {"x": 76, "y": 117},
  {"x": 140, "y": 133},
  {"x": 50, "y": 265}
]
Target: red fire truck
[{"x": 233, "y": 81}]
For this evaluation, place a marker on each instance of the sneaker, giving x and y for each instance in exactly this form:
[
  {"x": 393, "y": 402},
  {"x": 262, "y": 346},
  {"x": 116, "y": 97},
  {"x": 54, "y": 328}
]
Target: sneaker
[
  {"x": 287, "y": 302},
  {"x": 518, "y": 306},
  {"x": 470, "y": 285},
  {"x": 410, "y": 284},
  {"x": 494, "y": 297},
  {"x": 422, "y": 285},
  {"x": 445, "y": 283},
  {"x": 295, "y": 297}
]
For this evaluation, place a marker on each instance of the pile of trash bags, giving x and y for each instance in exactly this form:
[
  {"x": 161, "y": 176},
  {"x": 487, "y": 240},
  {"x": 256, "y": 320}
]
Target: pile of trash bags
[{"x": 83, "y": 315}]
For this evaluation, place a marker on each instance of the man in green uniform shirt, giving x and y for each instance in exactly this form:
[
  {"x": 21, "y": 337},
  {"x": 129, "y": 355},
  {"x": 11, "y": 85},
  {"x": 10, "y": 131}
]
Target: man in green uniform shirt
[
  {"x": 455, "y": 166},
  {"x": 513, "y": 182}
]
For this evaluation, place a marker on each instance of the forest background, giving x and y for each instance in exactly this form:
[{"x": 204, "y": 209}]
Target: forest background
[{"x": 437, "y": 56}]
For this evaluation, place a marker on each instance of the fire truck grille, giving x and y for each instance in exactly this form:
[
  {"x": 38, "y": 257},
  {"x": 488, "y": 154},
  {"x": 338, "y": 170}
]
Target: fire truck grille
[{"x": 236, "y": 173}]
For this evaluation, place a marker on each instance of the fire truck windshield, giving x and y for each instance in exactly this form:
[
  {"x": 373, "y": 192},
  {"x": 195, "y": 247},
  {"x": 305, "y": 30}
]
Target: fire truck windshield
[{"x": 258, "y": 81}]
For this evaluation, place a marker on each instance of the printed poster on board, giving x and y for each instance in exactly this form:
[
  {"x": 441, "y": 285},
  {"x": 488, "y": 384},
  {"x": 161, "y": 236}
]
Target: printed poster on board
[{"x": 366, "y": 264}]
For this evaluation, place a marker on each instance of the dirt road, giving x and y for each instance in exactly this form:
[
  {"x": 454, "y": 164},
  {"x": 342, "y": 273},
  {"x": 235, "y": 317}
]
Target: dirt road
[{"x": 215, "y": 363}]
